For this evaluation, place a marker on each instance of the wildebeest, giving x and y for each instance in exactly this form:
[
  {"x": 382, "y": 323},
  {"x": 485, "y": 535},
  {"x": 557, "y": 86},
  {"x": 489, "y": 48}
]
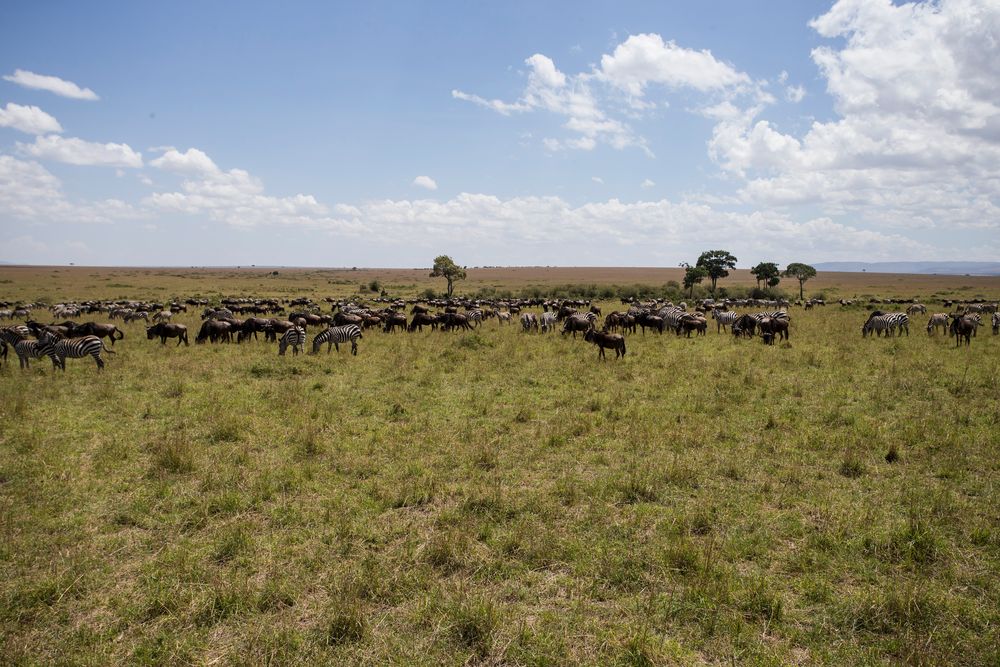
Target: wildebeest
[
  {"x": 394, "y": 321},
  {"x": 773, "y": 327},
  {"x": 420, "y": 320},
  {"x": 450, "y": 321},
  {"x": 691, "y": 322},
  {"x": 654, "y": 322},
  {"x": 604, "y": 339},
  {"x": 215, "y": 331},
  {"x": 100, "y": 330},
  {"x": 962, "y": 326},
  {"x": 745, "y": 325},
  {"x": 577, "y": 322},
  {"x": 165, "y": 331}
]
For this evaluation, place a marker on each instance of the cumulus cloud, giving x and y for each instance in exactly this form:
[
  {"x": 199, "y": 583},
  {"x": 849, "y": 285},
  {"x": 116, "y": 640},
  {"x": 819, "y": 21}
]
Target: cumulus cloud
[
  {"x": 28, "y": 191},
  {"x": 29, "y": 119},
  {"x": 80, "y": 152},
  {"x": 190, "y": 161},
  {"x": 917, "y": 140},
  {"x": 52, "y": 84},
  {"x": 425, "y": 182},
  {"x": 647, "y": 184}
]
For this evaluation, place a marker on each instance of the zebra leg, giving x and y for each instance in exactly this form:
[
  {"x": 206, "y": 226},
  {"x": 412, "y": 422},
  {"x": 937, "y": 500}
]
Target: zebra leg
[
  {"x": 354, "y": 347},
  {"x": 100, "y": 362}
]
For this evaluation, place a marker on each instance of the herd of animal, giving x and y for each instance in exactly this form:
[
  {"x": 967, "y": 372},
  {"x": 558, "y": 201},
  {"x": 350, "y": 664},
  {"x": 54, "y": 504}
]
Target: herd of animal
[{"x": 240, "y": 320}]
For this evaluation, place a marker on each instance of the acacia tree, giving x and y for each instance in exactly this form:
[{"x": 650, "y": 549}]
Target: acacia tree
[
  {"x": 692, "y": 276},
  {"x": 767, "y": 273},
  {"x": 717, "y": 263},
  {"x": 801, "y": 272},
  {"x": 445, "y": 267}
]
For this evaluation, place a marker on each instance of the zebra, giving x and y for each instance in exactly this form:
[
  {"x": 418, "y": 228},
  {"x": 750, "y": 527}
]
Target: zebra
[
  {"x": 529, "y": 321},
  {"x": 887, "y": 322},
  {"x": 296, "y": 337},
  {"x": 774, "y": 315},
  {"x": 917, "y": 308},
  {"x": 29, "y": 348},
  {"x": 724, "y": 318},
  {"x": 75, "y": 348},
  {"x": 334, "y": 336},
  {"x": 475, "y": 316},
  {"x": 995, "y": 323},
  {"x": 548, "y": 321},
  {"x": 937, "y": 320},
  {"x": 671, "y": 315}
]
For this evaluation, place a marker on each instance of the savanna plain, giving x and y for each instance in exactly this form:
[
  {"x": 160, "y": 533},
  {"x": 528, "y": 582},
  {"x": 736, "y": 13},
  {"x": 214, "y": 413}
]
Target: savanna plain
[{"x": 501, "y": 497}]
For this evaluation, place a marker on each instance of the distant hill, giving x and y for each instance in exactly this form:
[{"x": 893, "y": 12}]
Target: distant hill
[{"x": 940, "y": 268}]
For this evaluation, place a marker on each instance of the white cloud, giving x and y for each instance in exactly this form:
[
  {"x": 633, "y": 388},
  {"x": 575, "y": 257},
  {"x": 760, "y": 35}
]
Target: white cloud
[
  {"x": 647, "y": 184},
  {"x": 53, "y": 84},
  {"x": 795, "y": 94},
  {"x": 80, "y": 152},
  {"x": 917, "y": 143},
  {"x": 28, "y": 191},
  {"x": 499, "y": 106},
  {"x": 425, "y": 182},
  {"x": 28, "y": 119},
  {"x": 644, "y": 59},
  {"x": 190, "y": 161},
  {"x": 597, "y": 179}
]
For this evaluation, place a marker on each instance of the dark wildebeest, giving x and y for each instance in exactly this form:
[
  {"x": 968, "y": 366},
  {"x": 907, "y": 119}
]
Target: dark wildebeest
[
  {"x": 395, "y": 320},
  {"x": 691, "y": 322},
  {"x": 276, "y": 327},
  {"x": 451, "y": 321},
  {"x": 962, "y": 326},
  {"x": 165, "y": 331},
  {"x": 603, "y": 339},
  {"x": 100, "y": 330},
  {"x": 575, "y": 323},
  {"x": 420, "y": 320},
  {"x": 342, "y": 318},
  {"x": 214, "y": 330},
  {"x": 773, "y": 327},
  {"x": 251, "y": 327},
  {"x": 745, "y": 325},
  {"x": 654, "y": 322}
]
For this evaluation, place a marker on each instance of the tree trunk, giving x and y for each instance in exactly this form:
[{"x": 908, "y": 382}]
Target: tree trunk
[{"x": 801, "y": 285}]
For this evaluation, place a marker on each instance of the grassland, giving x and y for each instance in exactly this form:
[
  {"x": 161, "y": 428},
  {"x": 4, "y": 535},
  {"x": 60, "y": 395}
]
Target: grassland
[{"x": 500, "y": 498}]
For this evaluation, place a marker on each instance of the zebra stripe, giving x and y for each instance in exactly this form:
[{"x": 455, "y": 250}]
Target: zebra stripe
[
  {"x": 774, "y": 315},
  {"x": 888, "y": 323},
  {"x": 296, "y": 337},
  {"x": 529, "y": 321},
  {"x": 334, "y": 336},
  {"x": 724, "y": 318},
  {"x": 548, "y": 321},
  {"x": 76, "y": 348}
]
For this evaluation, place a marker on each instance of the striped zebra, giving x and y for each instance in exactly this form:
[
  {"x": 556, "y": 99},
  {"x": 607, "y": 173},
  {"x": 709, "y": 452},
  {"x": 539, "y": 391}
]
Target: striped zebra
[
  {"x": 938, "y": 320},
  {"x": 724, "y": 318},
  {"x": 296, "y": 337},
  {"x": 773, "y": 314},
  {"x": 334, "y": 336},
  {"x": 475, "y": 317},
  {"x": 888, "y": 323},
  {"x": 548, "y": 321},
  {"x": 529, "y": 321},
  {"x": 75, "y": 348},
  {"x": 995, "y": 323},
  {"x": 30, "y": 348},
  {"x": 671, "y": 316}
]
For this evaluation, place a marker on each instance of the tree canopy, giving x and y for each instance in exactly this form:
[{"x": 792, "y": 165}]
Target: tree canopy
[
  {"x": 692, "y": 276},
  {"x": 445, "y": 267},
  {"x": 801, "y": 272},
  {"x": 767, "y": 273},
  {"x": 717, "y": 263}
]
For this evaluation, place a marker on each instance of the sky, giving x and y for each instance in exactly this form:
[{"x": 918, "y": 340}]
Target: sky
[{"x": 500, "y": 133}]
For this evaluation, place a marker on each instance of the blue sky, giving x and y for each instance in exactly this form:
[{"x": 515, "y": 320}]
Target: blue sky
[{"x": 383, "y": 134}]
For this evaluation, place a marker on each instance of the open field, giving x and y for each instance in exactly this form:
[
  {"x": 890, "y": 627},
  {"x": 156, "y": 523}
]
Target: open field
[
  {"x": 38, "y": 283},
  {"x": 498, "y": 497}
]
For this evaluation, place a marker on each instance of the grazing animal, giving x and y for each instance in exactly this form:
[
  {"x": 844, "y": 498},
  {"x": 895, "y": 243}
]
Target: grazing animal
[
  {"x": 393, "y": 321},
  {"x": 548, "y": 321},
  {"x": 603, "y": 339},
  {"x": 295, "y": 337},
  {"x": 451, "y": 321},
  {"x": 578, "y": 322},
  {"x": 995, "y": 321},
  {"x": 963, "y": 327},
  {"x": 165, "y": 331},
  {"x": 654, "y": 322},
  {"x": 334, "y": 336},
  {"x": 745, "y": 325},
  {"x": 772, "y": 327},
  {"x": 27, "y": 349},
  {"x": 723, "y": 319},
  {"x": 916, "y": 308},
  {"x": 420, "y": 320},
  {"x": 100, "y": 330},
  {"x": 691, "y": 322},
  {"x": 215, "y": 331},
  {"x": 163, "y": 316},
  {"x": 77, "y": 348},
  {"x": 886, "y": 322},
  {"x": 529, "y": 321},
  {"x": 937, "y": 320}
]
